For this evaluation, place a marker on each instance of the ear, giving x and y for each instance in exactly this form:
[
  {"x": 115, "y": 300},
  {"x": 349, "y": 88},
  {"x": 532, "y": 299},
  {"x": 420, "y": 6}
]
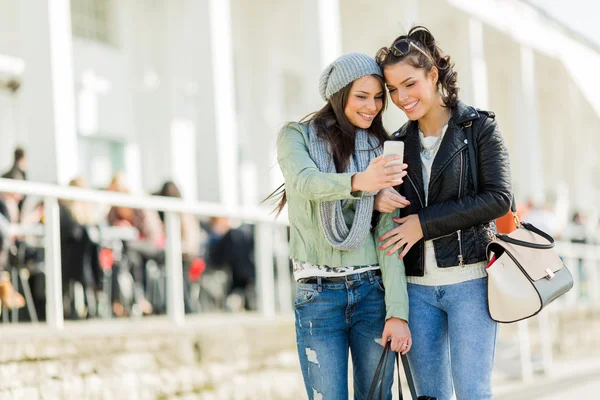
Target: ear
[{"x": 434, "y": 75}]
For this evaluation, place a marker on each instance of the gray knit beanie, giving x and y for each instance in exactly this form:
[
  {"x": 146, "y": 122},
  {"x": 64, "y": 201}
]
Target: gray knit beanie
[{"x": 344, "y": 70}]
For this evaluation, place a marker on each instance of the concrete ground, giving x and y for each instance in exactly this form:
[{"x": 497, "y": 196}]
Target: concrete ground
[
  {"x": 573, "y": 375},
  {"x": 576, "y": 378}
]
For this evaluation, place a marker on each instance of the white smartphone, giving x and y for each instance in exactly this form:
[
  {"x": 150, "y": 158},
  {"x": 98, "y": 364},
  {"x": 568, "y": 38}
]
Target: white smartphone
[{"x": 393, "y": 147}]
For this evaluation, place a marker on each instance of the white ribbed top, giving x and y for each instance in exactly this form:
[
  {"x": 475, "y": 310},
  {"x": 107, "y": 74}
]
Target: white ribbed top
[{"x": 435, "y": 276}]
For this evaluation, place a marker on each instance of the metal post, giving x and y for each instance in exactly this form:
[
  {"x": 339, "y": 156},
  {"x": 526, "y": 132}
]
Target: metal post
[
  {"x": 284, "y": 284},
  {"x": 592, "y": 265},
  {"x": 546, "y": 341},
  {"x": 52, "y": 264},
  {"x": 174, "y": 268},
  {"x": 570, "y": 262},
  {"x": 525, "y": 351},
  {"x": 14, "y": 274},
  {"x": 263, "y": 250},
  {"x": 330, "y": 31}
]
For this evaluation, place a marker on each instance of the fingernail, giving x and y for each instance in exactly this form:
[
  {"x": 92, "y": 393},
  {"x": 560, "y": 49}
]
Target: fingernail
[
  {"x": 381, "y": 248},
  {"x": 389, "y": 253}
]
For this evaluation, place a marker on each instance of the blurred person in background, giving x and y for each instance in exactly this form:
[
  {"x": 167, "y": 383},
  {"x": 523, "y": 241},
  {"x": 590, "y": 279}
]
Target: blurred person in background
[
  {"x": 149, "y": 246},
  {"x": 10, "y": 214},
  {"x": 332, "y": 165},
  {"x": 444, "y": 230},
  {"x": 191, "y": 234},
  {"x": 147, "y": 222},
  {"x": 19, "y": 167},
  {"x": 233, "y": 248},
  {"x": 579, "y": 230},
  {"x": 192, "y": 237},
  {"x": 79, "y": 253}
]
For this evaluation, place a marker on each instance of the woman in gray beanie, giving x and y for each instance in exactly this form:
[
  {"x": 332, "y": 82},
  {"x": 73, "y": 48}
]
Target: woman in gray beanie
[{"x": 333, "y": 166}]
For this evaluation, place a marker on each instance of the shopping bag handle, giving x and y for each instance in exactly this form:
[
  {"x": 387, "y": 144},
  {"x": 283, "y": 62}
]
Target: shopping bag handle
[{"x": 380, "y": 374}]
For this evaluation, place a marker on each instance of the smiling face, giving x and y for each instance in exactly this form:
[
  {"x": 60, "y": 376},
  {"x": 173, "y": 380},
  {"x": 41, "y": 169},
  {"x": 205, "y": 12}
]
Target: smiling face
[
  {"x": 365, "y": 101},
  {"x": 412, "y": 90}
]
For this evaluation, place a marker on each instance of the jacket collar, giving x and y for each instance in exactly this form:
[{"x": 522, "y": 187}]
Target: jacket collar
[
  {"x": 462, "y": 113},
  {"x": 454, "y": 141}
]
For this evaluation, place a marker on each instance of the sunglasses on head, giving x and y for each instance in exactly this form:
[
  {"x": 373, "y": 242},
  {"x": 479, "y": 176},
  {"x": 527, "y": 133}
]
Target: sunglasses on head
[{"x": 400, "y": 48}]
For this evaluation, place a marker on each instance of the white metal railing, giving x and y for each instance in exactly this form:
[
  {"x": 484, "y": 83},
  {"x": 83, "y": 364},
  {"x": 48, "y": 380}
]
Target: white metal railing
[
  {"x": 583, "y": 261},
  {"x": 267, "y": 228},
  {"x": 270, "y": 245}
]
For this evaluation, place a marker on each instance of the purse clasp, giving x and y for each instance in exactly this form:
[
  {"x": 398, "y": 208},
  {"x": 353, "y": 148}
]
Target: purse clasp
[{"x": 549, "y": 273}]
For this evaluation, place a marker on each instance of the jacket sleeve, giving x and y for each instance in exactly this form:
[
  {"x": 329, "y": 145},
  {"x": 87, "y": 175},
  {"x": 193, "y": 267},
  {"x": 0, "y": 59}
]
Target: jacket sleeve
[
  {"x": 392, "y": 271},
  {"x": 301, "y": 173},
  {"x": 493, "y": 198}
]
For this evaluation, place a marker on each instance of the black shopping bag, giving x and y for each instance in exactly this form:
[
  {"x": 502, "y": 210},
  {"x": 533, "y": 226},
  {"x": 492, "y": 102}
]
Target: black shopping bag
[{"x": 376, "y": 390}]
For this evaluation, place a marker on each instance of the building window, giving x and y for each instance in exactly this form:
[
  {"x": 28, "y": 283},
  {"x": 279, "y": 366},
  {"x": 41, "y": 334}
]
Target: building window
[
  {"x": 93, "y": 20},
  {"x": 100, "y": 159}
]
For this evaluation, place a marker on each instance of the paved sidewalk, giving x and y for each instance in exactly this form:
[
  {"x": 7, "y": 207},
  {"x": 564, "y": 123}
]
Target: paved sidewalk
[{"x": 570, "y": 379}]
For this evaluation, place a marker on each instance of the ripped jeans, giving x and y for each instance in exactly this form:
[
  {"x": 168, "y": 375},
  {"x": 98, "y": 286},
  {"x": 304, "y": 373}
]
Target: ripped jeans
[{"x": 332, "y": 318}]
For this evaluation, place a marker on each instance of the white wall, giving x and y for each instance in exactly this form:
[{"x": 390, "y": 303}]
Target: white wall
[
  {"x": 277, "y": 65},
  {"x": 9, "y": 28},
  {"x": 105, "y": 106},
  {"x": 9, "y": 120}
]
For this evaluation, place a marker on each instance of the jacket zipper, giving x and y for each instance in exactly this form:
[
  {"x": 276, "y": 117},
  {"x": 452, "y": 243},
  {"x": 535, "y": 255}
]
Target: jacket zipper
[
  {"x": 458, "y": 233},
  {"x": 460, "y": 255}
]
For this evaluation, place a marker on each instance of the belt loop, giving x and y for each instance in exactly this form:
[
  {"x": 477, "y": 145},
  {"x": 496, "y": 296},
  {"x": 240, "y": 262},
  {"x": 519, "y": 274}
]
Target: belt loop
[
  {"x": 371, "y": 278},
  {"x": 319, "y": 285}
]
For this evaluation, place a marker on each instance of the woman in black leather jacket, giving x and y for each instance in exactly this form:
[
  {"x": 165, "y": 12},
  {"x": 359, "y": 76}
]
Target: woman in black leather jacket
[{"x": 446, "y": 221}]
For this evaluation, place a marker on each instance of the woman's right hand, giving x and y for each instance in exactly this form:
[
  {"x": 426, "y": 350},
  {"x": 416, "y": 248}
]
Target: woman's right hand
[
  {"x": 388, "y": 200},
  {"x": 378, "y": 175},
  {"x": 397, "y": 332}
]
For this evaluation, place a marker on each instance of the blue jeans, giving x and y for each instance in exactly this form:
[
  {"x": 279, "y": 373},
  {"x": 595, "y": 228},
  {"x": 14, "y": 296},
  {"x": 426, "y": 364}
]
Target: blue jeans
[
  {"x": 454, "y": 340},
  {"x": 332, "y": 318}
]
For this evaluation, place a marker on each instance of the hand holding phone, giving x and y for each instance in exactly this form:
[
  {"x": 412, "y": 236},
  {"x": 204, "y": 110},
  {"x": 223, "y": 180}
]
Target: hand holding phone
[{"x": 392, "y": 147}]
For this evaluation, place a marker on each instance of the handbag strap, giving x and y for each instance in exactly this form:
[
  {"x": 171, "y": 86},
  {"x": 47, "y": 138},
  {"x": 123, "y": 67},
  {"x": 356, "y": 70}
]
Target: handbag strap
[
  {"x": 473, "y": 160},
  {"x": 409, "y": 377},
  {"x": 533, "y": 229},
  {"x": 380, "y": 373}
]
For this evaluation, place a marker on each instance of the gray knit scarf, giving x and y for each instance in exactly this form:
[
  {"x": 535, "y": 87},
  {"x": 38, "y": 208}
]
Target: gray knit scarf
[{"x": 331, "y": 218}]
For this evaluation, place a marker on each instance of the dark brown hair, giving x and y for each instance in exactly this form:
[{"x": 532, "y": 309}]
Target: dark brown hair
[
  {"x": 19, "y": 154},
  {"x": 447, "y": 77},
  {"x": 169, "y": 189},
  {"x": 333, "y": 126}
]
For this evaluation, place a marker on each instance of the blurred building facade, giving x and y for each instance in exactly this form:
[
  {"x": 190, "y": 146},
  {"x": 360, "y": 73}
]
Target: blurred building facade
[{"x": 196, "y": 90}]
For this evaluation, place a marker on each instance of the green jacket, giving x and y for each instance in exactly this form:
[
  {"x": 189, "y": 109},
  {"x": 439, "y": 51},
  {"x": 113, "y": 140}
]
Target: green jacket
[{"x": 305, "y": 186}]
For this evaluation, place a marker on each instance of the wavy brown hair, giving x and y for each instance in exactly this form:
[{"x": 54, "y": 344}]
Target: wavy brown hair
[
  {"x": 333, "y": 126},
  {"x": 447, "y": 77}
]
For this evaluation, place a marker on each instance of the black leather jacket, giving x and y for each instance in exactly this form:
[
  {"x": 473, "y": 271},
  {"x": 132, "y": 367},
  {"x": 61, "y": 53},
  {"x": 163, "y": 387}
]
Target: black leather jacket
[{"x": 459, "y": 219}]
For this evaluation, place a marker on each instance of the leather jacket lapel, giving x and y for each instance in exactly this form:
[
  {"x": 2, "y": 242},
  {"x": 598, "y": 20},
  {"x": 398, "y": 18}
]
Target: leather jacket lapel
[
  {"x": 452, "y": 144},
  {"x": 412, "y": 157}
]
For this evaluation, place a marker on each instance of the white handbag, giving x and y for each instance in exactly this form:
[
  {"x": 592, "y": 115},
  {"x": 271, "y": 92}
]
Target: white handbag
[{"x": 526, "y": 272}]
